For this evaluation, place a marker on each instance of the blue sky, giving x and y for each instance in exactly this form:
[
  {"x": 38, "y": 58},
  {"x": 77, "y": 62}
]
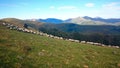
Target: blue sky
[{"x": 62, "y": 9}]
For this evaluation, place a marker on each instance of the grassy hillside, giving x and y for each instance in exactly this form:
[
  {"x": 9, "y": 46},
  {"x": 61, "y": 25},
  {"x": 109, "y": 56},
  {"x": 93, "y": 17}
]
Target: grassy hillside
[
  {"x": 32, "y": 24},
  {"x": 24, "y": 50}
]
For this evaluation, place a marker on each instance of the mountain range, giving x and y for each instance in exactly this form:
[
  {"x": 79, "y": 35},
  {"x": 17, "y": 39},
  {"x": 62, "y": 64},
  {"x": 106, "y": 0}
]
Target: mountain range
[{"x": 82, "y": 21}]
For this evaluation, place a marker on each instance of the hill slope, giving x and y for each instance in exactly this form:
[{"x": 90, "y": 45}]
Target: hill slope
[
  {"x": 20, "y": 23},
  {"x": 24, "y": 50}
]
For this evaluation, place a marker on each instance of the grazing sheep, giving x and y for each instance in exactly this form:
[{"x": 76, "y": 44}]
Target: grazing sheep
[
  {"x": 115, "y": 46},
  {"x": 30, "y": 31},
  {"x": 95, "y": 43},
  {"x": 103, "y": 45},
  {"x": 12, "y": 27},
  {"x": 48, "y": 35},
  {"x": 41, "y": 34},
  {"x": 61, "y": 38},
  {"x": 34, "y": 32},
  {"x": 4, "y": 23},
  {"x": 51, "y": 36},
  {"x": 109, "y": 46},
  {"x": 76, "y": 41},
  {"x": 20, "y": 29},
  {"x": 56, "y": 37},
  {"x": 70, "y": 40},
  {"x": 90, "y": 43},
  {"x": 83, "y": 41}
]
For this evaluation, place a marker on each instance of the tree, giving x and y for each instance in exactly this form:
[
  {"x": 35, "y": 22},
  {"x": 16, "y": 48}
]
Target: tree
[{"x": 25, "y": 26}]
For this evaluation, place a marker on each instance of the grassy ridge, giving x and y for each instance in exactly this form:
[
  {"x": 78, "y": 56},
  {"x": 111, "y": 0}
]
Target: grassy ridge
[{"x": 24, "y": 50}]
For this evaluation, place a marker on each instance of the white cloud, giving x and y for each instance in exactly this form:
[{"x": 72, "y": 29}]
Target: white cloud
[
  {"x": 67, "y": 8},
  {"x": 89, "y": 5},
  {"x": 52, "y": 7},
  {"x": 112, "y": 6},
  {"x": 110, "y": 10}
]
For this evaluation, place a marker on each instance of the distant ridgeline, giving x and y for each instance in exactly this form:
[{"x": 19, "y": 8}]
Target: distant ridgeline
[{"x": 26, "y": 30}]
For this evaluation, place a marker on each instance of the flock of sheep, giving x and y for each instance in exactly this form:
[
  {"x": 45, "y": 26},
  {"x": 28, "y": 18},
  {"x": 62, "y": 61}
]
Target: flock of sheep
[{"x": 13, "y": 27}]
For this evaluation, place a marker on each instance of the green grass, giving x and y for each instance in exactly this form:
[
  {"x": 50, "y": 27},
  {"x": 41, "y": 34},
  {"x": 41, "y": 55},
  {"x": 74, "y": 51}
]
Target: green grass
[{"x": 24, "y": 50}]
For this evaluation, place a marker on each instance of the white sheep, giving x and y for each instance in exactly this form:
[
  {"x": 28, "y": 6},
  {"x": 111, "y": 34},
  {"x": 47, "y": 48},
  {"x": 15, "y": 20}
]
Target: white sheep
[{"x": 83, "y": 41}]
